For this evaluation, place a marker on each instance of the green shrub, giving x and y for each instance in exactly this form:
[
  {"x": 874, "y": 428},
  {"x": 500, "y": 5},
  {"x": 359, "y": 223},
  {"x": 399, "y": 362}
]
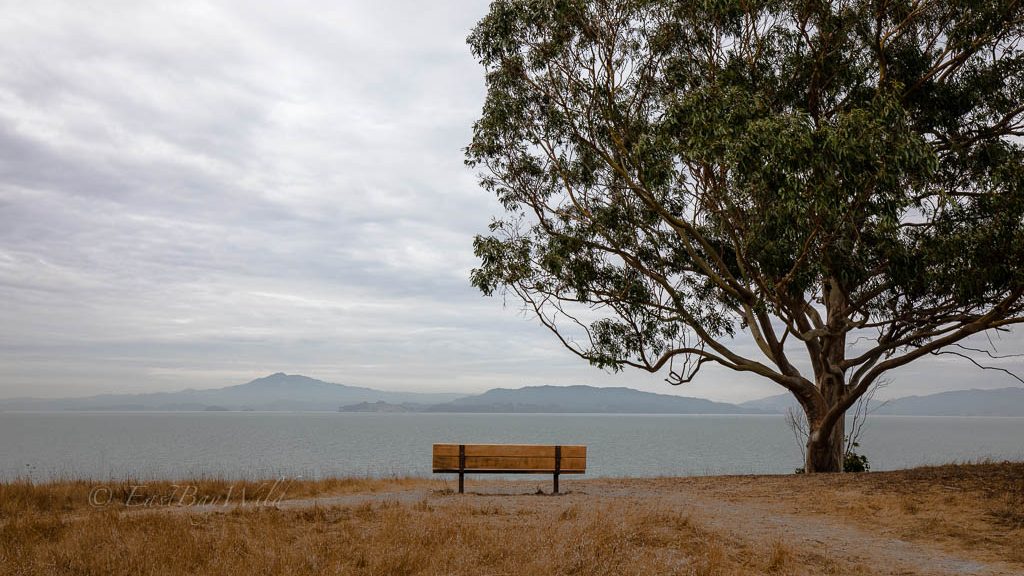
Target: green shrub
[{"x": 854, "y": 462}]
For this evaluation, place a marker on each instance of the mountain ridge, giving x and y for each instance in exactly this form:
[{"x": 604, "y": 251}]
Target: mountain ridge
[
  {"x": 276, "y": 392},
  {"x": 1007, "y": 402},
  {"x": 580, "y": 398},
  {"x": 294, "y": 392}
]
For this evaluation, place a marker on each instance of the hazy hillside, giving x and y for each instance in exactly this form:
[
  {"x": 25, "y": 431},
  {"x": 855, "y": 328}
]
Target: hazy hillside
[
  {"x": 775, "y": 404},
  {"x": 585, "y": 399},
  {"x": 999, "y": 402},
  {"x": 300, "y": 393},
  {"x": 275, "y": 392}
]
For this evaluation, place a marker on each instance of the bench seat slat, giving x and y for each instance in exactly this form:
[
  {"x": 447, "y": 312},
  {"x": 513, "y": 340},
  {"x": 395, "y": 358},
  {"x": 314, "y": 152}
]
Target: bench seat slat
[
  {"x": 508, "y": 471},
  {"x": 474, "y": 463},
  {"x": 507, "y": 450}
]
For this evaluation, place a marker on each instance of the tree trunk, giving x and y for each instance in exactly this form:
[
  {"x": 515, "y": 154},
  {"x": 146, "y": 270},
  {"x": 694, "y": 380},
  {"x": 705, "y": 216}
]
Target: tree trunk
[
  {"x": 826, "y": 447},
  {"x": 827, "y": 433}
]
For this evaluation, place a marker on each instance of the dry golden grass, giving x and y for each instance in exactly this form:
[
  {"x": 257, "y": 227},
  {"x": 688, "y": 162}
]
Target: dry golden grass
[
  {"x": 976, "y": 510},
  {"x": 438, "y": 535},
  {"x": 602, "y": 527},
  {"x": 69, "y": 495},
  {"x": 52, "y": 529}
]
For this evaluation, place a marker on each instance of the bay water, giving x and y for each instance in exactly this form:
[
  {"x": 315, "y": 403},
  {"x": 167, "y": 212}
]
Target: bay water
[{"x": 258, "y": 445}]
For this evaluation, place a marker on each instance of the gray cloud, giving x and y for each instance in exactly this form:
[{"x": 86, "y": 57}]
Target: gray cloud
[{"x": 196, "y": 194}]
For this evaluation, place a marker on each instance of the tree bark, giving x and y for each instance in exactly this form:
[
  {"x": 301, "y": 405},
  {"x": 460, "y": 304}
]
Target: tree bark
[
  {"x": 826, "y": 447},
  {"x": 826, "y": 437}
]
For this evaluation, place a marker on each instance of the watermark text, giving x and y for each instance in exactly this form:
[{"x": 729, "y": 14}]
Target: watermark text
[{"x": 161, "y": 495}]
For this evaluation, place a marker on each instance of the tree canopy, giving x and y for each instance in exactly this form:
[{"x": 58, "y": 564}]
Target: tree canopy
[{"x": 840, "y": 180}]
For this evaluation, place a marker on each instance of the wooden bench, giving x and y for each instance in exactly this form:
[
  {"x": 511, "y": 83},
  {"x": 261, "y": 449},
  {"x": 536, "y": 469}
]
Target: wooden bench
[{"x": 509, "y": 459}]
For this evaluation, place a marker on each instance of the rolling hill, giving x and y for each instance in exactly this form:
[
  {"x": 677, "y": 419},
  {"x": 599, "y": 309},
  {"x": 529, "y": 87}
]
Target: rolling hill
[
  {"x": 997, "y": 402},
  {"x": 291, "y": 392},
  {"x": 585, "y": 399},
  {"x": 275, "y": 392}
]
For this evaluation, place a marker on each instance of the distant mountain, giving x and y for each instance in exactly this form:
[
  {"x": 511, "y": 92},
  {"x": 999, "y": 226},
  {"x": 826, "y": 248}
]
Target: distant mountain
[
  {"x": 776, "y": 404},
  {"x": 275, "y": 392},
  {"x": 585, "y": 399},
  {"x": 289, "y": 392},
  {"x": 999, "y": 402}
]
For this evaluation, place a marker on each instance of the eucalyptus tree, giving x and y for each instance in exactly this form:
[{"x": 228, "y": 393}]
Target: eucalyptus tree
[{"x": 841, "y": 181}]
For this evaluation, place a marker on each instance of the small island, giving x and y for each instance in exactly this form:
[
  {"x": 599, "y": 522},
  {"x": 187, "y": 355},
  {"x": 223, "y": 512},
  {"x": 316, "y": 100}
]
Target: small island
[{"x": 382, "y": 406}]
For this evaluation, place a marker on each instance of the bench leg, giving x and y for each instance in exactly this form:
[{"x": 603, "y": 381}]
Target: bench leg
[
  {"x": 556, "y": 483},
  {"x": 461, "y": 475}
]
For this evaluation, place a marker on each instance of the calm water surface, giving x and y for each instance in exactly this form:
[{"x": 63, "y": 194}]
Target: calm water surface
[{"x": 253, "y": 444}]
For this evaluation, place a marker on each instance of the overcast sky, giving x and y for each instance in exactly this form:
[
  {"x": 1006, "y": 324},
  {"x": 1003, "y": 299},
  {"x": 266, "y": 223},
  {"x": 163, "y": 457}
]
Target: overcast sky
[{"x": 197, "y": 194}]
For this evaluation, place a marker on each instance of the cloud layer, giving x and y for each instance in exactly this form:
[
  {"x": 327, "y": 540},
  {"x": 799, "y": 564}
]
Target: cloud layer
[{"x": 195, "y": 195}]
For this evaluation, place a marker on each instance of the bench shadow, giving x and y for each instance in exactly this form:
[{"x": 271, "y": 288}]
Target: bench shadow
[{"x": 538, "y": 492}]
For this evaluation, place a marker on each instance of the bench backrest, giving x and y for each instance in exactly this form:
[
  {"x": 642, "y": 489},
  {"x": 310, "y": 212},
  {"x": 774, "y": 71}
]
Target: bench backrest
[{"x": 521, "y": 458}]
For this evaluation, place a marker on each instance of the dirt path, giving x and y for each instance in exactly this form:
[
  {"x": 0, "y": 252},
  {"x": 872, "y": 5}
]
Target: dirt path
[
  {"x": 749, "y": 521},
  {"x": 834, "y": 539}
]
